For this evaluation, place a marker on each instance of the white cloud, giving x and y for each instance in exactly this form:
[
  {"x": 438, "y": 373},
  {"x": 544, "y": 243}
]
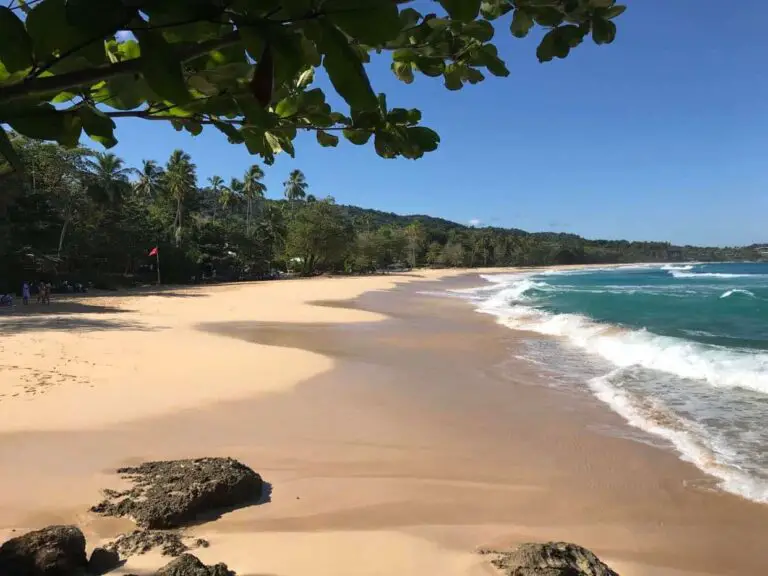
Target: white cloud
[
  {"x": 475, "y": 222},
  {"x": 124, "y": 35}
]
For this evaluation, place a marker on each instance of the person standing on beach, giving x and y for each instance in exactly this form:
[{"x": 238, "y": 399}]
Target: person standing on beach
[{"x": 25, "y": 292}]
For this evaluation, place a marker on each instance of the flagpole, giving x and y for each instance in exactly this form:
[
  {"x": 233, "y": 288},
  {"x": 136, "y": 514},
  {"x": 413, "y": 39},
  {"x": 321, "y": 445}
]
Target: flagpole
[{"x": 157, "y": 255}]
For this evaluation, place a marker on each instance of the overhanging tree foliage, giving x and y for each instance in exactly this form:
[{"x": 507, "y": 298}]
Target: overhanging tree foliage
[{"x": 246, "y": 67}]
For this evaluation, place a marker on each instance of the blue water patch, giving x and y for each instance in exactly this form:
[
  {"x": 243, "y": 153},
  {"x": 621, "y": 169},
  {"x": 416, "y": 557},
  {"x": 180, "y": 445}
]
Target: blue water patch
[{"x": 680, "y": 351}]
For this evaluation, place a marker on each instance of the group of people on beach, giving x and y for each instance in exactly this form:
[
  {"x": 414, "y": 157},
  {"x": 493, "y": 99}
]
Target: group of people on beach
[{"x": 43, "y": 292}]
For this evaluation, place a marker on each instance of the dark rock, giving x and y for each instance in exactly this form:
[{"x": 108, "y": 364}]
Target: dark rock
[
  {"x": 142, "y": 541},
  {"x": 169, "y": 494},
  {"x": 52, "y": 551},
  {"x": 103, "y": 561},
  {"x": 551, "y": 559},
  {"x": 189, "y": 565}
]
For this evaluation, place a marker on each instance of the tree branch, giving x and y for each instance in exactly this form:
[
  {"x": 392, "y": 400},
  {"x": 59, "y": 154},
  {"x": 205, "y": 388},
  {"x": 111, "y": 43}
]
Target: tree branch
[
  {"x": 150, "y": 115},
  {"x": 89, "y": 76}
]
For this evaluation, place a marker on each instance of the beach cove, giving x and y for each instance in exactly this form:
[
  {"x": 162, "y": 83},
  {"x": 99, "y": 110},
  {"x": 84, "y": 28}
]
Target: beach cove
[{"x": 396, "y": 431}]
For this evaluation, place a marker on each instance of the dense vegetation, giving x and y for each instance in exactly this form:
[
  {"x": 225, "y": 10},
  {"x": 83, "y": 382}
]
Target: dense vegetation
[
  {"x": 84, "y": 216},
  {"x": 246, "y": 67}
]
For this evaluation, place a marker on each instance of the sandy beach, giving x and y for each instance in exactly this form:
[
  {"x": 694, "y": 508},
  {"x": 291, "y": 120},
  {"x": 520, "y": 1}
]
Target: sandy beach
[{"x": 395, "y": 431}]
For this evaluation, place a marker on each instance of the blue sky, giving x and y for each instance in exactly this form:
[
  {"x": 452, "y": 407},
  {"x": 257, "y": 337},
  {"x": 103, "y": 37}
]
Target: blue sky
[{"x": 662, "y": 135}]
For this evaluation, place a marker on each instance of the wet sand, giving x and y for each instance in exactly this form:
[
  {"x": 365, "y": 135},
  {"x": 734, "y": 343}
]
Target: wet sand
[{"x": 422, "y": 442}]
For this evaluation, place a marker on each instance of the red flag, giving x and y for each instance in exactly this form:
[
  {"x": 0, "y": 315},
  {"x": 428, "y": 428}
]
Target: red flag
[{"x": 153, "y": 252}]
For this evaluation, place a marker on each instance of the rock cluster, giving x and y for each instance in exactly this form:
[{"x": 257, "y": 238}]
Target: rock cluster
[
  {"x": 550, "y": 559},
  {"x": 165, "y": 497},
  {"x": 170, "y": 494}
]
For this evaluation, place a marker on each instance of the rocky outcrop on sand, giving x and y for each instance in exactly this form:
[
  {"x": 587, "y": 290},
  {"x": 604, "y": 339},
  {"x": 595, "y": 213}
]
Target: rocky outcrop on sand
[
  {"x": 550, "y": 559},
  {"x": 174, "y": 493},
  {"x": 170, "y": 542},
  {"x": 189, "y": 565},
  {"x": 52, "y": 551},
  {"x": 103, "y": 561}
]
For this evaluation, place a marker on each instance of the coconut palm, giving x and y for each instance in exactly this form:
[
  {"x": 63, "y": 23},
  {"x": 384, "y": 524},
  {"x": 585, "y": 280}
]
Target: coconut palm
[
  {"x": 180, "y": 181},
  {"x": 253, "y": 189},
  {"x": 150, "y": 178},
  {"x": 109, "y": 177},
  {"x": 216, "y": 186},
  {"x": 295, "y": 188}
]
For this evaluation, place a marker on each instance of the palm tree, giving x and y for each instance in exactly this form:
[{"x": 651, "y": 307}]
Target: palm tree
[
  {"x": 253, "y": 189},
  {"x": 295, "y": 188},
  {"x": 109, "y": 177},
  {"x": 150, "y": 178},
  {"x": 180, "y": 180},
  {"x": 216, "y": 186}
]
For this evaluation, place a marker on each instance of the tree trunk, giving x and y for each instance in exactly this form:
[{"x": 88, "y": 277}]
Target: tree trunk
[
  {"x": 248, "y": 218},
  {"x": 61, "y": 236}
]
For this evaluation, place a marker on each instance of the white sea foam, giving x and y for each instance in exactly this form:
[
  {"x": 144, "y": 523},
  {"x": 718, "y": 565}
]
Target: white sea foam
[
  {"x": 677, "y": 267},
  {"x": 704, "y": 407},
  {"x": 683, "y": 274},
  {"x": 694, "y": 443},
  {"x": 730, "y": 293},
  {"x": 717, "y": 366}
]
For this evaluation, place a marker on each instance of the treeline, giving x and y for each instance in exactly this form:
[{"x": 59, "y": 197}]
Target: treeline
[{"x": 85, "y": 216}]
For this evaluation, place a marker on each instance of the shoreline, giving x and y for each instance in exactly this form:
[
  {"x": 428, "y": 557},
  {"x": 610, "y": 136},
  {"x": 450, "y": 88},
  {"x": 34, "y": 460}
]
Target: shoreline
[{"x": 381, "y": 448}]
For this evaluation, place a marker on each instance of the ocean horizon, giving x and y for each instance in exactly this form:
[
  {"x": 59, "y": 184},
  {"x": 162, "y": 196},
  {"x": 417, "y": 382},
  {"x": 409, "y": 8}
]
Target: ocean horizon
[{"x": 679, "y": 351}]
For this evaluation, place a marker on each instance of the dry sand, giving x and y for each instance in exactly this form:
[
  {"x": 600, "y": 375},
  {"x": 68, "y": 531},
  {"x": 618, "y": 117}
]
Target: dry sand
[
  {"x": 91, "y": 361},
  {"x": 387, "y": 449}
]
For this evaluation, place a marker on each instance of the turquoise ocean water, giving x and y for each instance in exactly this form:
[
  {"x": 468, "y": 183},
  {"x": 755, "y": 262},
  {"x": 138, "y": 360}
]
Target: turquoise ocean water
[{"x": 679, "y": 351}]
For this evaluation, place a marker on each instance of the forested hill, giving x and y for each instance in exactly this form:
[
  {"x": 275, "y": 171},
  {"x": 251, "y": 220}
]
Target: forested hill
[{"x": 83, "y": 216}]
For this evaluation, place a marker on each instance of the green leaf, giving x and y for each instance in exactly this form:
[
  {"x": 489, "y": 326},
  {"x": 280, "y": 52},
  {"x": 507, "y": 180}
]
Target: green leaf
[
  {"x": 254, "y": 113},
  {"x": 383, "y": 145},
  {"x": 96, "y": 18},
  {"x": 357, "y": 137},
  {"x": 40, "y": 122},
  {"x": 614, "y": 12},
  {"x": 16, "y": 45},
  {"x": 72, "y": 127},
  {"x": 345, "y": 69},
  {"x": 432, "y": 67},
  {"x": 465, "y": 10},
  {"x": 480, "y": 30},
  {"x": 305, "y": 78},
  {"x": 487, "y": 55},
  {"x": 473, "y": 76},
  {"x": 493, "y": 9},
  {"x": 98, "y": 125},
  {"x": 521, "y": 23},
  {"x": 425, "y": 138},
  {"x": 287, "y": 107},
  {"x": 193, "y": 127},
  {"x": 162, "y": 69},
  {"x": 327, "y": 140},
  {"x": 409, "y": 18},
  {"x": 403, "y": 71},
  {"x": 553, "y": 45},
  {"x": 233, "y": 134},
  {"x": 603, "y": 31},
  {"x": 62, "y": 97},
  {"x": 49, "y": 29},
  {"x": 601, "y": 3},
  {"x": 372, "y": 22},
  {"x": 8, "y": 152},
  {"x": 122, "y": 93},
  {"x": 548, "y": 16},
  {"x": 128, "y": 50},
  {"x": 453, "y": 77}
]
